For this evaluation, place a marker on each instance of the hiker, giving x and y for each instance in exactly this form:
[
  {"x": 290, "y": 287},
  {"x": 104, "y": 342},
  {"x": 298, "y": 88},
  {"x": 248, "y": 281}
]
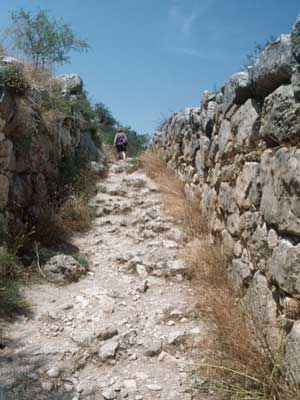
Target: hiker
[{"x": 120, "y": 142}]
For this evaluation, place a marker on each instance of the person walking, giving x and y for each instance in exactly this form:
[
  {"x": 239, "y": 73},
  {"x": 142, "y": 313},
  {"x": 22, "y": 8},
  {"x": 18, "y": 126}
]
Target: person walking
[{"x": 120, "y": 142}]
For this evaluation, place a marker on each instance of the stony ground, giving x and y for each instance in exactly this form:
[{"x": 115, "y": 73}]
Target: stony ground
[{"x": 130, "y": 328}]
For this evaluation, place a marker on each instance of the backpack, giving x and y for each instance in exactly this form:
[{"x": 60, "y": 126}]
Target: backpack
[{"x": 121, "y": 138}]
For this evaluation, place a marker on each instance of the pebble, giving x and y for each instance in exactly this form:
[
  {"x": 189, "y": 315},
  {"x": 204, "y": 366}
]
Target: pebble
[
  {"x": 170, "y": 323},
  {"x": 47, "y": 386},
  {"x": 109, "y": 394},
  {"x": 141, "y": 375},
  {"x": 153, "y": 349},
  {"x": 108, "y": 350},
  {"x": 153, "y": 387},
  {"x": 54, "y": 372},
  {"x": 130, "y": 385}
]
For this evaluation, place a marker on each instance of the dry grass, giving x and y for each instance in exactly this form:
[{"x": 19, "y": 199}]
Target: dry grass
[
  {"x": 235, "y": 367},
  {"x": 76, "y": 215},
  {"x": 42, "y": 77},
  {"x": 188, "y": 213}
]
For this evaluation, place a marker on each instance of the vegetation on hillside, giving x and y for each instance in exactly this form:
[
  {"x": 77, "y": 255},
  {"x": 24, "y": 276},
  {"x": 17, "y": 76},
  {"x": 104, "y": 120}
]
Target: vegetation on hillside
[{"x": 44, "y": 40}]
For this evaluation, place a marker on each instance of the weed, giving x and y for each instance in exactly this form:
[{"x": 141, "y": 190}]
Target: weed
[
  {"x": 13, "y": 78},
  {"x": 83, "y": 261},
  {"x": 11, "y": 301}
]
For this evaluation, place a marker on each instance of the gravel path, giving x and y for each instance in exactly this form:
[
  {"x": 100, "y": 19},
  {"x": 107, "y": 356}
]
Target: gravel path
[{"x": 130, "y": 328}]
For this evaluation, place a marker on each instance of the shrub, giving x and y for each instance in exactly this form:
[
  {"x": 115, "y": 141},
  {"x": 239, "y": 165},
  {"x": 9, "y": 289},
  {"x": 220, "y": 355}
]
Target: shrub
[
  {"x": 56, "y": 102},
  {"x": 13, "y": 78}
]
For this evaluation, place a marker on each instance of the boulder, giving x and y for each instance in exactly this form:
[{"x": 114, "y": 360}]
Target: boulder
[
  {"x": 280, "y": 120},
  {"x": 63, "y": 268},
  {"x": 7, "y": 60},
  {"x": 245, "y": 124},
  {"x": 202, "y": 155},
  {"x": 280, "y": 183},
  {"x": 295, "y": 38},
  {"x": 240, "y": 273},
  {"x": 274, "y": 66},
  {"x": 247, "y": 190},
  {"x": 237, "y": 90},
  {"x": 88, "y": 148},
  {"x": 70, "y": 84},
  {"x": 207, "y": 114},
  {"x": 292, "y": 351},
  {"x": 295, "y": 81},
  {"x": 226, "y": 198},
  {"x": 225, "y": 138},
  {"x": 263, "y": 312},
  {"x": 285, "y": 267}
]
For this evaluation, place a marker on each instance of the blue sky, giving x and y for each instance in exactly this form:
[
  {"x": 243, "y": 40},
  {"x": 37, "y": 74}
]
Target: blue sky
[{"x": 150, "y": 58}]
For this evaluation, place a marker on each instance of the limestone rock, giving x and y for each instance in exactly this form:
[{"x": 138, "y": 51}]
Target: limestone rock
[
  {"x": 153, "y": 349},
  {"x": 245, "y": 123},
  {"x": 295, "y": 38},
  {"x": 280, "y": 183},
  {"x": 54, "y": 372},
  {"x": 280, "y": 121},
  {"x": 292, "y": 351},
  {"x": 237, "y": 90},
  {"x": 285, "y": 266},
  {"x": 247, "y": 191},
  {"x": 62, "y": 268},
  {"x": 225, "y": 138},
  {"x": 260, "y": 302},
  {"x": 240, "y": 273},
  {"x": 108, "y": 350},
  {"x": 273, "y": 67},
  {"x": 70, "y": 84}
]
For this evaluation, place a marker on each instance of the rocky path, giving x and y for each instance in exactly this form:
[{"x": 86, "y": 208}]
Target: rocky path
[{"x": 129, "y": 329}]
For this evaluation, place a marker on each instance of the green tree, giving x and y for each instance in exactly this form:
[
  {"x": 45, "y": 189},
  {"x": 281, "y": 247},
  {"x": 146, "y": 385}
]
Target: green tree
[{"x": 43, "y": 39}]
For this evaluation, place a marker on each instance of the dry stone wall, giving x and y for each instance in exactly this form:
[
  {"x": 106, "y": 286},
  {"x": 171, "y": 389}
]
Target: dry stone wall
[
  {"x": 239, "y": 154},
  {"x": 33, "y": 144}
]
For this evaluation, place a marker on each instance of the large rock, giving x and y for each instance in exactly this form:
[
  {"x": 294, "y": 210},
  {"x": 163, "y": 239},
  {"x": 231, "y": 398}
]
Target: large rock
[
  {"x": 263, "y": 311},
  {"x": 88, "y": 149},
  {"x": 295, "y": 37},
  {"x": 240, "y": 272},
  {"x": 70, "y": 84},
  {"x": 237, "y": 90},
  {"x": 280, "y": 183},
  {"x": 292, "y": 351},
  {"x": 226, "y": 198},
  {"x": 280, "y": 120},
  {"x": 207, "y": 115},
  {"x": 274, "y": 66},
  {"x": 62, "y": 268},
  {"x": 285, "y": 267},
  {"x": 247, "y": 191},
  {"x": 202, "y": 155},
  {"x": 225, "y": 138},
  {"x": 245, "y": 123}
]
